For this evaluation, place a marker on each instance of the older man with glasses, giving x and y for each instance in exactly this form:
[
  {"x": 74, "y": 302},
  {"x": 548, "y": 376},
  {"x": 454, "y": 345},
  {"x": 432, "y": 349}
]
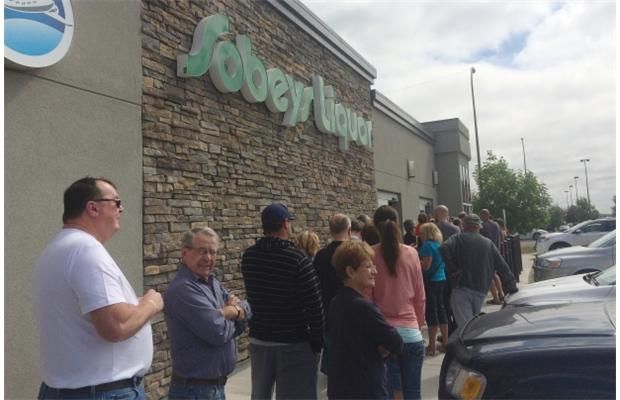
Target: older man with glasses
[
  {"x": 203, "y": 319},
  {"x": 94, "y": 332}
]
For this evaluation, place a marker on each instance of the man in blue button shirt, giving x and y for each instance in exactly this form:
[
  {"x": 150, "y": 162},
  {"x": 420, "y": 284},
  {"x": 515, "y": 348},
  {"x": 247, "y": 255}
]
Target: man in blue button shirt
[{"x": 203, "y": 319}]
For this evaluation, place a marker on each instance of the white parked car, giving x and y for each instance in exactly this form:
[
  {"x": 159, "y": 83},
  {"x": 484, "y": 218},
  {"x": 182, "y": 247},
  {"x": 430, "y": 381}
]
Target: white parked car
[
  {"x": 579, "y": 235},
  {"x": 595, "y": 286}
]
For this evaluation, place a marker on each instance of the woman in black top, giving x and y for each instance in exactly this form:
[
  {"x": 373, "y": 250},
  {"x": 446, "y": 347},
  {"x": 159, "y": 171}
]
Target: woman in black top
[
  {"x": 361, "y": 337},
  {"x": 409, "y": 238}
]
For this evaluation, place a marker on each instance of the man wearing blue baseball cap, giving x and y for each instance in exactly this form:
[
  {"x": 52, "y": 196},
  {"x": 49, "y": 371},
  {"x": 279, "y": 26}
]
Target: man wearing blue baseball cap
[{"x": 287, "y": 323}]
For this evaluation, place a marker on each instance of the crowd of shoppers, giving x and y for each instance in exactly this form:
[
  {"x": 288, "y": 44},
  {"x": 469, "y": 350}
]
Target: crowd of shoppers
[{"x": 358, "y": 304}]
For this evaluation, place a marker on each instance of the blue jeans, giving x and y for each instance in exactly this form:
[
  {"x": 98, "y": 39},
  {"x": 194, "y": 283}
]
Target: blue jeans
[
  {"x": 129, "y": 393},
  {"x": 327, "y": 344},
  {"x": 404, "y": 372},
  {"x": 196, "y": 392}
]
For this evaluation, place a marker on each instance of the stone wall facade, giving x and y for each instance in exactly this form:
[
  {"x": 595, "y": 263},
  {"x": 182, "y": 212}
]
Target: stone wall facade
[{"x": 214, "y": 159}]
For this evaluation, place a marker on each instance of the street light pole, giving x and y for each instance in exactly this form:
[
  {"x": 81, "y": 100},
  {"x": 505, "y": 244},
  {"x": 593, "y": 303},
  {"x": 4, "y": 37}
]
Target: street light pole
[
  {"x": 524, "y": 165},
  {"x": 576, "y": 193},
  {"x": 567, "y": 207},
  {"x": 570, "y": 192},
  {"x": 585, "y": 166},
  {"x": 473, "y": 102}
]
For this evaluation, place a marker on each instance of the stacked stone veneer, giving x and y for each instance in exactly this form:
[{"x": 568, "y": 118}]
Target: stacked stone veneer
[{"x": 214, "y": 159}]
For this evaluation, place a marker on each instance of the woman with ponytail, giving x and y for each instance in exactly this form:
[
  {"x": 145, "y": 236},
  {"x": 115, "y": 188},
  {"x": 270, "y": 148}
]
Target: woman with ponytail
[{"x": 399, "y": 293}]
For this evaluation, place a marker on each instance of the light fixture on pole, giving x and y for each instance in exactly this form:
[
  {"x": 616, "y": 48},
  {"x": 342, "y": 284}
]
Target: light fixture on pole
[
  {"x": 570, "y": 193},
  {"x": 566, "y": 192},
  {"x": 473, "y": 102},
  {"x": 576, "y": 193},
  {"x": 584, "y": 161},
  {"x": 524, "y": 165}
]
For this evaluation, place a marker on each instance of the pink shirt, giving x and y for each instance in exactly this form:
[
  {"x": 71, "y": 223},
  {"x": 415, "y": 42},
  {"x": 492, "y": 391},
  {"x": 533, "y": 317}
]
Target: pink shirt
[{"x": 401, "y": 298}]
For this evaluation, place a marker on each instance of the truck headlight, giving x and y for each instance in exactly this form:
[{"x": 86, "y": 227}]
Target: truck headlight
[
  {"x": 551, "y": 263},
  {"x": 464, "y": 383}
]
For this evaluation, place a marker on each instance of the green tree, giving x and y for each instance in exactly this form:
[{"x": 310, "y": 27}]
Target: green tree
[
  {"x": 585, "y": 210},
  {"x": 525, "y": 200},
  {"x": 571, "y": 215},
  {"x": 556, "y": 217}
]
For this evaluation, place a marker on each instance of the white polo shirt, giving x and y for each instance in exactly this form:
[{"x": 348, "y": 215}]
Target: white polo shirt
[{"x": 74, "y": 276}]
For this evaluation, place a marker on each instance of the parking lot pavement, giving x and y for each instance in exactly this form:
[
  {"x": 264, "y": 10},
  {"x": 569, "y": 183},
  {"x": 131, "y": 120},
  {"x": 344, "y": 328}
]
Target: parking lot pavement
[{"x": 239, "y": 383}]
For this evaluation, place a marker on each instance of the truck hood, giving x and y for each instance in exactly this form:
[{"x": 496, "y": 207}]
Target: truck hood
[{"x": 559, "y": 320}]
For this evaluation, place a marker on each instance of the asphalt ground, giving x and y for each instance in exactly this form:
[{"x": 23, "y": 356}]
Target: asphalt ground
[{"x": 239, "y": 383}]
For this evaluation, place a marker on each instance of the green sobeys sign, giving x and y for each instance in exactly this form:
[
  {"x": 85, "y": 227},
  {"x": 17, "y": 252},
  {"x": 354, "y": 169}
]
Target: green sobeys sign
[{"x": 233, "y": 67}]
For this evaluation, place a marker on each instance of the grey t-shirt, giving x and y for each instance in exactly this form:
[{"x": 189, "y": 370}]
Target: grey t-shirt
[
  {"x": 490, "y": 229},
  {"x": 478, "y": 259},
  {"x": 447, "y": 229}
]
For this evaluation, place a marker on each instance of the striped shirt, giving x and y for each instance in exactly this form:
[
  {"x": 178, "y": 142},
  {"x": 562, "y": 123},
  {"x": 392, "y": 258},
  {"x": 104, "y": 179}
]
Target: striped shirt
[{"x": 283, "y": 290}]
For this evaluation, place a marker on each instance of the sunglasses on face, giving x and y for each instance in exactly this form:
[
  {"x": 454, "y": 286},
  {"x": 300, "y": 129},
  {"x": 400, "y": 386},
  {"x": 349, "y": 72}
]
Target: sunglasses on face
[{"x": 116, "y": 201}]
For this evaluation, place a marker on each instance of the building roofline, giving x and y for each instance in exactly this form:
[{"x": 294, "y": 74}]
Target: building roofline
[
  {"x": 309, "y": 22},
  {"x": 459, "y": 124},
  {"x": 399, "y": 115}
]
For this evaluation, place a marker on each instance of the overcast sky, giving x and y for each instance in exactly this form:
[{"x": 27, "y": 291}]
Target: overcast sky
[{"x": 545, "y": 72}]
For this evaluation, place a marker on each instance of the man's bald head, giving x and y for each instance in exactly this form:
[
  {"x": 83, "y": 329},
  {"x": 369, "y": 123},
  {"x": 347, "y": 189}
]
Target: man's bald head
[{"x": 442, "y": 213}]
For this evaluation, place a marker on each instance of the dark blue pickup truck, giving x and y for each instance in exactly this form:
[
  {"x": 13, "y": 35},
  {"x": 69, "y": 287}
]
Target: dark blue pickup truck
[{"x": 563, "y": 351}]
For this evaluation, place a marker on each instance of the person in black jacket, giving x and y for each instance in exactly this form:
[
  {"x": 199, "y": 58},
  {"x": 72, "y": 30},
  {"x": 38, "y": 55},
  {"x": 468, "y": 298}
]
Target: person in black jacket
[
  {"x": 361, "y": 337},
  {"x": 286, "y": 329},
  {"x": 409, "y": 238},
  {"x": 340, "y": 230}
]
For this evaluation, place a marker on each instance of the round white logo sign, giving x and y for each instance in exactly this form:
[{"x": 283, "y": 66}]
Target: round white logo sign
[{"x": 37, "y": 33}]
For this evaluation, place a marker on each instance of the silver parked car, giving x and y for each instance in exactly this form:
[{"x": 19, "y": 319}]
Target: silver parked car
[
  {"x": 594, "y": 286},
  {"x": 597, "y": 256},
  {"x": 579, "y": 235}
]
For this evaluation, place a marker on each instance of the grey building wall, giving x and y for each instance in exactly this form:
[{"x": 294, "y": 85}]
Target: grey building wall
[
  {"x": 79, "y": 117},
  {"x": 440, "y": 147},
  {"x": 397, "y": 139},
  {"x": 452, "y": 155}
]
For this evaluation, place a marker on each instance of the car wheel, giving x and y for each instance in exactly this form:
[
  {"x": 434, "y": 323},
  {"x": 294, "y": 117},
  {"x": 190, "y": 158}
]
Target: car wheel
[{"x": 559, "y": 245}]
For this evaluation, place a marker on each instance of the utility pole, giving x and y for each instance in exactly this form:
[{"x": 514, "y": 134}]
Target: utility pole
[
  {"x": 473, "y": 102},
  {"x": 576, "y": 193},
  {"x": 524, "y": 165},
  {"x": 584, "y": 161}
]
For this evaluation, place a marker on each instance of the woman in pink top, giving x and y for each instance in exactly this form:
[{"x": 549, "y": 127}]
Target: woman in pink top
[{"x": 399, "y": 293}]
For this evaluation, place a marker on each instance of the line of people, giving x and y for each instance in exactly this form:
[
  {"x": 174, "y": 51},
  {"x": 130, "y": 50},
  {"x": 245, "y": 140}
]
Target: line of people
[{"x": 356, "y": 305}]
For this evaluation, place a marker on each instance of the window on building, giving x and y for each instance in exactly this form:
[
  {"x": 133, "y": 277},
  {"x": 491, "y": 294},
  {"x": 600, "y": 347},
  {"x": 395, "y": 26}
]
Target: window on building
[{"x": 390, "y": 199}]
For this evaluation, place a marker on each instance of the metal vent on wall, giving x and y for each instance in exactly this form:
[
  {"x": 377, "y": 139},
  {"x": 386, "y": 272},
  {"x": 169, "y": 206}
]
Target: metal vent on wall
[{"x": 410, "y": 169}]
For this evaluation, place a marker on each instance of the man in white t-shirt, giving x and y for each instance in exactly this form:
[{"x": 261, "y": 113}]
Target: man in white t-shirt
[{"x": 94, "y": 332}]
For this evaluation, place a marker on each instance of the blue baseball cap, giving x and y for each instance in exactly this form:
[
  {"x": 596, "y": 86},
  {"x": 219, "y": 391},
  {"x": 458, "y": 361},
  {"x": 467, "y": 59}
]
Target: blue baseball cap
[{"x": 275, "y": 214}]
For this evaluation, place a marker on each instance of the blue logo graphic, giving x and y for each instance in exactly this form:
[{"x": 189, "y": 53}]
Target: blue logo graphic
[{"x": 37, "y": 33}]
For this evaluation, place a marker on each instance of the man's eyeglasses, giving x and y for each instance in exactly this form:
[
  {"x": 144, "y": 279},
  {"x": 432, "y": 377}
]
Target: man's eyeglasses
[
  {"x": 116, "y": 201},
  {"x": 202, "y": 251}
]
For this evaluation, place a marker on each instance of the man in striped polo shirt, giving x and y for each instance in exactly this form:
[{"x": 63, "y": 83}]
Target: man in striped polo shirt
[{"x": 287, "y": 323}]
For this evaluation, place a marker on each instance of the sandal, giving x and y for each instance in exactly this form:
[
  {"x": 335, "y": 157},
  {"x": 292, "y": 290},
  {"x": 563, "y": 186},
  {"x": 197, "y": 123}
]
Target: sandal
[
  {"x": 430, "y": 353},
  {"x": 495, "y": 302}
]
